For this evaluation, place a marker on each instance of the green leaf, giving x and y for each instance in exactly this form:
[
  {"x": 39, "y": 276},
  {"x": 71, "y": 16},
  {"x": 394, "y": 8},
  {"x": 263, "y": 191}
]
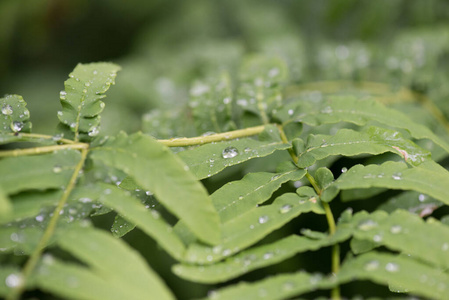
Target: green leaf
[
  {"x": 428, "y": 178},
  {"x": 237, "y": 197},
  {"x": 413, "y": 202},
  {"x": 149, "y": 221},
  {"x": 252, "y": 226},
  {"x": 407, "y": 233},
  {"x": 258, "y": 257},
  {"x": 14, "y": 116},
  {"x": 155, "y": 168},
  {"x": 353, "y": 110},
  {"x": 211, "y": 104},
  {"x": 283, "y": 286},
  {"x": 413, "y": 276},
  {"x": 52, "y": 170},
  {"x": 121, "y": 226},
  {"x": 19, "y": 240},
  {"x": 209, "y": 159},
  {"x": 81, "y": 104},
  {"x": 28, "y": 204},
  {"x": 115, "y": 270},
  {"x": 5, "y": 205},
  {"x": 260, "y": 90},
  {"x": 372, "y": 140}
]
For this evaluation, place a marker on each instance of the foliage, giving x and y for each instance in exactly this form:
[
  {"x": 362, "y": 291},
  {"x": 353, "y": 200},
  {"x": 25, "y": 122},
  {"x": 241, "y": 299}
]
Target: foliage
[{"x": 247, "y": 180}]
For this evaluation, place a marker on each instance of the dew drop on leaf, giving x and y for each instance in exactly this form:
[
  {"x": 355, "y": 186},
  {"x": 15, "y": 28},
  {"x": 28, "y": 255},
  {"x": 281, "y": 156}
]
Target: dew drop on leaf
[
  {"x": 371, "y": 265},
  {"x": 287, "y": 286},
  {"x": 229, "y": 152},
  {"x": 7, "y": 110},
  {"x": 285, "y": 208},
  {"x": 396, "y": 229},
  {"x": 445, "y": 247},
  {"x": 377, "y": 238},
  {"x": 290, "y": 112},
  {"x": 263, "y": 219},
  {"x": 367, "y": 225},
  {"x": 13, "y": 280},
  {"x": 421, "y": 197},
  {"x": 344, "y": 170},
  {"x": 63, "y": 95},
  {"x": 397, "y": 176},
  {"x": 226, "y": 252},
  {"x": 39, "y": 218},
  {"x": 57, "y": 169},
  {"x": 392, "y": 267},
  {"x": 268, "y": 255},
  {"x": 17, "y": 126}
]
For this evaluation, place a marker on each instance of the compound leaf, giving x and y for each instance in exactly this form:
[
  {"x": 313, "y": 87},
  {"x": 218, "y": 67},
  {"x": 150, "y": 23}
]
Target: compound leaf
[
  {"x": 81, "y": 104},
  {"x": 155, "y": 168}
]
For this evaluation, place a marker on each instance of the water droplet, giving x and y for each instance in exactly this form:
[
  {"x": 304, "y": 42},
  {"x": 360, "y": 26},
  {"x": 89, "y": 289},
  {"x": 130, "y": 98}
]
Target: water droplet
[
  {"x": 285, "y": 208},
  {"x": 247, "y": 150},
  {"x": 227, "y": 100},
  {"x": 62, "y": 95},
  {"x": 17, "y": 126},
  {"x": 421, "y": 197},
  {"x": 155, "y": 214},
  {"x": 290, "y": 112},
  {"x": 229, "y": 152},
  {"x": 327, "y": 110},
  {"x": 57, "y": 169},
  {"x": 268, "y": 255},
  {"x": 371, "y": 265},
  {"x": 209, "y": 258},
  {"x": 377, "y": 238},
  {"x": 395, "y": 229},
  {"x": 392, "y": 267},
  {"x": 397, "y": 176},
  {"x": 7, "y": 110},
  {"x": 94, "y": 131},
  {"x": 85, "y": 200},
  {"x": 367, "y": 225},
  {"x": 226, "y": 252},
  {"x": 13, "y": 280},
  {"x": 287, "y": 286},
  {"x": 84, "y": 91},
  {"x": 263, "y": 219},
  {"x": 72, "y": 125},
  {"x": 445, "y": 247},
  {"x": 344, "y": 170},
  {"x": 240, "y": 197},
  {"x": 39, "y": 218},
  {"x": 212, "y": 294},
  {"x": 102, "y": 105},
  {"x": 314, "y": 279},
  {"x": 273, "y": 72},
  {"x": 14, "y": 237}
]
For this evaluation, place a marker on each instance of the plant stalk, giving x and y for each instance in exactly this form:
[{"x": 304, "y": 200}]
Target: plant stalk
[{"x": 34, "y": 258}]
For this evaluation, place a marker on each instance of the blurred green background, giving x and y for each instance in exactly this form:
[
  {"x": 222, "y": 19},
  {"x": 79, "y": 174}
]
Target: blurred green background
[{"x": 164, "y": 46}]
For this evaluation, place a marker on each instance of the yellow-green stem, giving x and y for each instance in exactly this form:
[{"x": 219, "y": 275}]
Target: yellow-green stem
[
  {"x": 335, "y": 293},
  {"x": 34, "y": 258},
  {"x": 40, "y": 150},
  {"x": 200, "y": 140}
]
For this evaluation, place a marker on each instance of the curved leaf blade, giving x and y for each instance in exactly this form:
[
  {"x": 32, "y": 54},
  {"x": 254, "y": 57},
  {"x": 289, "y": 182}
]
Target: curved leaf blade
[
  {"x": 252, "y": 226},
  {"x": 373, "y": 140},
  {"x": 428, "y": 178},
  {"x": 209, "y": 159},
  {"x": 155, "y": 168},
  {"x": 387, "y": 269},
  {"x": 38, "y": 171}
]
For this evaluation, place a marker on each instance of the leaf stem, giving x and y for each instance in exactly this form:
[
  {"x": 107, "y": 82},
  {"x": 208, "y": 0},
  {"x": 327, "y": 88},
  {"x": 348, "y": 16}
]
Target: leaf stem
[
  {"x": 200, "y": 140},
  {"x": 335, "y": 293},
  {"x": 34, "y": 258},
  {"x": 40, "y": 150}
]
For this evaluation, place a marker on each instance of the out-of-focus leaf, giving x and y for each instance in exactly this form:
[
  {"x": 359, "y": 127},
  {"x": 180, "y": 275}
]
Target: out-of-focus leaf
[{"x": 45, "y": 171}]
